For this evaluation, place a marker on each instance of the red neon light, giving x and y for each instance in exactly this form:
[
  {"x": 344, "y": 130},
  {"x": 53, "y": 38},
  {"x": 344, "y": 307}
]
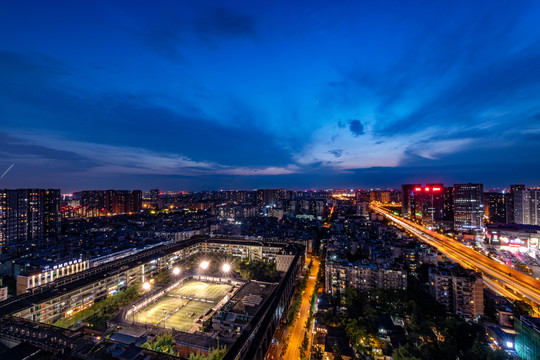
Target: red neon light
[
  {"x": 436, "y": 189},
  {"x": 417, "y": 189},
  {"x": 427, "y": 189}
]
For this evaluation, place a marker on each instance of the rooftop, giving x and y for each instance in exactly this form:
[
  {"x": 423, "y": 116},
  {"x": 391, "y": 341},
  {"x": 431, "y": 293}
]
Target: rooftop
[{"x": 251, "y": 296}]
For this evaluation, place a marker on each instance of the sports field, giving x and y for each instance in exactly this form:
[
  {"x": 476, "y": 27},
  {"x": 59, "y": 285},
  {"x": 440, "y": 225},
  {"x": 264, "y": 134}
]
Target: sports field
[
  {"x": 198, "y": 290},
  {"x": 183, "y": 306}
]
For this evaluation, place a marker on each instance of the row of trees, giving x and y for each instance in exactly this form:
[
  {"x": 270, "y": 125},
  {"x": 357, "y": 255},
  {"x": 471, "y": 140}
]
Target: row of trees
[
  {"x": 297, "y": 301},
  {"x": 431, "y": 333},
  {"x": 165, "y": 343},
  {"x": 98, "y": 314},
  {"x": 259, "y": 270}
]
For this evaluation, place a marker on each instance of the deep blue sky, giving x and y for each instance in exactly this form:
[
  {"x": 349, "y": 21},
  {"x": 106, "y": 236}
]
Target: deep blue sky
[{"x": 191, "y": 95}]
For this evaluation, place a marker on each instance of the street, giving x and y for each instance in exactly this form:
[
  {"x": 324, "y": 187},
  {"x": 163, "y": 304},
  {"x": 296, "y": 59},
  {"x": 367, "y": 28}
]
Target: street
[
  {"x": 507, "y": 278},
  {"x": 298, "y": 328}
]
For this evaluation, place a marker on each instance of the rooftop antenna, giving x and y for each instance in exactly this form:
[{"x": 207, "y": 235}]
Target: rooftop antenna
[{"x": 5, "y": 172}]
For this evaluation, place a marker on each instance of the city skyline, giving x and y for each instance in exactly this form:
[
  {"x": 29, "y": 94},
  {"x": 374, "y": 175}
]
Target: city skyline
[{"x": 209, "y": 96}]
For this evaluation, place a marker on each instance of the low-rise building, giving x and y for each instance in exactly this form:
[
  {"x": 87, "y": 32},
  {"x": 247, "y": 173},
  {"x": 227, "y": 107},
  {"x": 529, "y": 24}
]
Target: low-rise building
[
  {"x": 3, "y": 293},
  {"x": 341, "y": 275},
  {"x": 42, "y": 275}
]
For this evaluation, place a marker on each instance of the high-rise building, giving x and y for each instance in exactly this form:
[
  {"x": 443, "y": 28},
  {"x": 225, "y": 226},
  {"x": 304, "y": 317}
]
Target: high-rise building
[
  {"x": 109, "y": 202},
  {"x": 52, "y": 215},
  {"x": 468, "y": 206},
  {"x": 362, "y": 196},
  {"x": 270, "y": 197},
  {"x": 430, "y": 202},
  {"x": 28, "y": 215},
  {"x": 448, "y": 207},
  {"x": 526, "y": 207},
  {"x": 528, "y": 337},
  {"x": 510, "y": 204},
  {"x": 408, "y": 200},
  {"x": 154, "y": 198},
  {"x": 495, "y": 207},
  {"x": 386, "y": 197}
]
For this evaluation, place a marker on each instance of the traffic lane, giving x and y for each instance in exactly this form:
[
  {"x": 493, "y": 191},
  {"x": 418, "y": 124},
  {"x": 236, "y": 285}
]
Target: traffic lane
[{"x": 489, "y": 266}]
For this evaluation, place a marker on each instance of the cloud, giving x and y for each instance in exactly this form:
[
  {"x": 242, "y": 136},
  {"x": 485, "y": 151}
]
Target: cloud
[
  {"x": 291, "y": 169},
  {"x": 336, "y": 153},
  {"x": 372, "y": 150},
  {"x": 111, "y": 159},
  {"x": 225, "y": 22},
  {"x": 356, "y": 127},
  {"x": 32, "y": 97}
]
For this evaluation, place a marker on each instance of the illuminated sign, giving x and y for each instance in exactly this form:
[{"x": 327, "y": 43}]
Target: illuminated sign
[
  {"x": 427, "y": 189},
  {"x": 436, "y": 189},
  {"x": 417, "y": 189}
]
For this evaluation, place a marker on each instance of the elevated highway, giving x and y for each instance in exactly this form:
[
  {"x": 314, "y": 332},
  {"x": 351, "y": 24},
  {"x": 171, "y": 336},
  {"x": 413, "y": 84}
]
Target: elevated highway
[{"x": 505, "y": 280}]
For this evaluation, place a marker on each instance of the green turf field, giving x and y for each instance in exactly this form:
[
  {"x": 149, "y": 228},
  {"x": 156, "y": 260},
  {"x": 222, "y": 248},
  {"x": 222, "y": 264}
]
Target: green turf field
[
  {"x": 183, "y": 305},
  {"x": 184, "y": 318},
  {"x": 153, "y": 313},
  {"x": 199, "y": 290}
]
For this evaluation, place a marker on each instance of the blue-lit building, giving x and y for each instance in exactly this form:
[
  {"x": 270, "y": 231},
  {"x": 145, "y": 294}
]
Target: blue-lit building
[{"x": 528, "y": 337}]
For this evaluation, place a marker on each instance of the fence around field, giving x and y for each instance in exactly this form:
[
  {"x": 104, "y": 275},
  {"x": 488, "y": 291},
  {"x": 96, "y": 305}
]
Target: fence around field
[{"x": 157, "y": 293}]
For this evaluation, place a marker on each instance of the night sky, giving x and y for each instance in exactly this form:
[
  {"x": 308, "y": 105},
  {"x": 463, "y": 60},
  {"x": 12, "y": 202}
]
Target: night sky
[{"x": 200, "y": 95}]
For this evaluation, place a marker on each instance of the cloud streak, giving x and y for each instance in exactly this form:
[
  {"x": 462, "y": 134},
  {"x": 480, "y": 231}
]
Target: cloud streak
[{"x": 110, "y": 159}]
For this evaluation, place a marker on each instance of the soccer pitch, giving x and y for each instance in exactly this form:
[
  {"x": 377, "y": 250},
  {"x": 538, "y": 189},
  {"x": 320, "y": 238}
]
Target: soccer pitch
[
  {"x": 198, "y": 290},
  {"x": 183, "y": 306}
]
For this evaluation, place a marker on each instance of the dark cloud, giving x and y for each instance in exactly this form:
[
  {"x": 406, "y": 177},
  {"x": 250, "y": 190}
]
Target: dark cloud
[
  {"x": 336, "y": 153},
  {"x": 165, "y": 39},
  {"x": 126, "y": 119},
  {"x": 356, "y": 127},
  {"x": 224, "y": 22}
]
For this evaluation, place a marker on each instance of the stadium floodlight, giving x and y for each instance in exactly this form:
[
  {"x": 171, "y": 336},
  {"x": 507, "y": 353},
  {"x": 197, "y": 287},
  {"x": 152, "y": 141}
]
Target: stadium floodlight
[
  {"x": 204, "y": 265},
  {"x": 146, "y": 286},
  {"x": 176, "y": 271},
  {"x": 226, "y": 268}
]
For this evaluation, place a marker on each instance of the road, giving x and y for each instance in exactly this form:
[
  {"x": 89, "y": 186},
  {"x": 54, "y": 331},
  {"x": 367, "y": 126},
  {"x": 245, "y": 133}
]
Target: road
[
  {"x": 499, "y": 276},
  {"x": 298, "y": 328}
]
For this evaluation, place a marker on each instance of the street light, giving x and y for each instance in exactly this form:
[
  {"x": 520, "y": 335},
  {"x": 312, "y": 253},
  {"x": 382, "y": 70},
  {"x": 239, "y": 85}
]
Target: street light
[
  {"x": 146, "y": 286},
  {"x": 204, "y": 265},
  {"x": 176, "y": 271},
  {"x": 226, "y": 268}
]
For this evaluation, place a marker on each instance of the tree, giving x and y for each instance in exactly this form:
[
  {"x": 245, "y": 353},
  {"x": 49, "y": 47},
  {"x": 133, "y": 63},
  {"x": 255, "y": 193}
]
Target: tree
[
  {"x": 162, "y": 343},
  {"x": 318, "y": 353},
  {"x": 407, "y": 352},
  {"x": 336, "y": 351},
  {"x": 305, "y": 342},
  {"x": 216, "y": 353},
  {"x": 522, "y": 308}
]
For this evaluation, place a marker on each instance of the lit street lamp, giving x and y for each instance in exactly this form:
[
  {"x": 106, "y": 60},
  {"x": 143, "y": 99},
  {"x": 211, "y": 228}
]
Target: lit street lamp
[
  {"x": 146, "y": 286},
  {"x": 226, "y": 268},
  {"x": 176, "y": 271},
  {"x": 204, "y": 265}
]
